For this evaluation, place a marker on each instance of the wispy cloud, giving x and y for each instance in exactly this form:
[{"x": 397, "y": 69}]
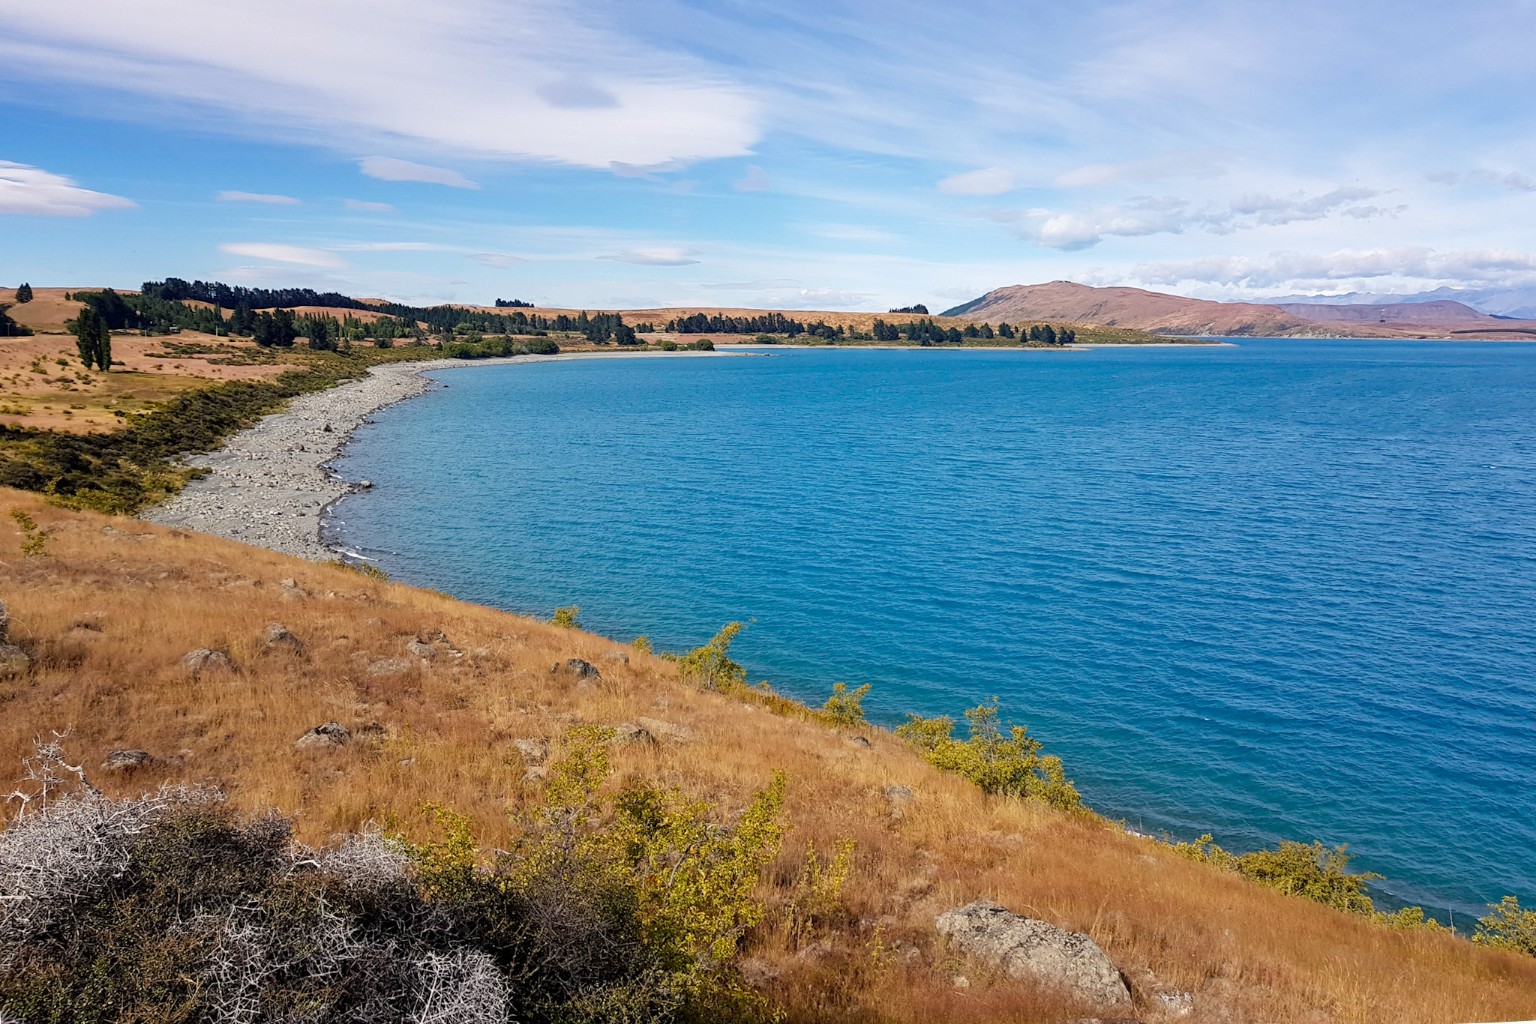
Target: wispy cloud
[
  {"x": 657, "y": 256},
  {"x": 755, "y": 180},
  {"x": 989, "y": 181},
  {"x": 499, "y": 260},
  {"x": 498, "y": 81},
  {"x": 27, "y": 191},
  {"x": 298, "y": 255},
  {"x": 1308, "y": 271},
  {"x": 387, "y": 168},
  {"x": 261, "y": 198},
  {"x": 364, "y": 206},
  {"x": 1073, "y": 230}
]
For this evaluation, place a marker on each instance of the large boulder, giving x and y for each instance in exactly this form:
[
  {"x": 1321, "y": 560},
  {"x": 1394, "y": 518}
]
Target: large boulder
[
  {"x": 203, "y": 661},
  {"x": 324, "y": 737},
  {"x": 1025, "y": 948}
]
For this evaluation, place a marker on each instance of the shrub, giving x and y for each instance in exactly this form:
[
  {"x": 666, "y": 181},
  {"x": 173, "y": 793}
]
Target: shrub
[
  {"x": 667, "y": 345},
  {"x": 565, "y": 617},
  {"x": 1508, "y": 927},
  {"x": 702, "y": 345},
  {"x": 173, "y": 908},
  {"x": 845, "y": 706},
  {"x": 1011, "y": 764},
  {"x": 1309, "y": 870},
  {"x": 711, "y": 666},
  {"x": 34, "y": 539},
  {"x": 641, "y": 644}
]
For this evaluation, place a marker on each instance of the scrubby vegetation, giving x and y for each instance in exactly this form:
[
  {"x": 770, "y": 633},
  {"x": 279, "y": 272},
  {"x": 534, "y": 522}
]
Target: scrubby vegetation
[
  {"x": 1508, "y": 927},
  {"x": 171, "y": 907},
  {"x": 1008, "y": 763}
]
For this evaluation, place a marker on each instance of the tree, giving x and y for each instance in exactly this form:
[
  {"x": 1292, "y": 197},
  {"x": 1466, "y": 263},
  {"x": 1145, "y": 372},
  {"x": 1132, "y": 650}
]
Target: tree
[
  {"x": 24, "y": 293},
  {"x": 275, "y": 329},
  {"x": 10, "y": 328},
  {"x": 92, "y": 339}
]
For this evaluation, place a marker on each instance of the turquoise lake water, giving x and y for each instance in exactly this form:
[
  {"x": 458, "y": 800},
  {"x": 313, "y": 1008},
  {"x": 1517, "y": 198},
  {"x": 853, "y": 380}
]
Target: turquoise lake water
[{"x": 1280, "y": 590}]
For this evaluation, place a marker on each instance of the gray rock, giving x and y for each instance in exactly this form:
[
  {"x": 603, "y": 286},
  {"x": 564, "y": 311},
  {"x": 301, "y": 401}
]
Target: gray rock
[
  {"x": 391, "y": 667},
  {"x": 532, "y": 750},
  {"x": 1175, "y": 1003},
  {"x": 632, "y": 732},
  {"x": 279, "y": 637},
  {"x": 203, "y": 661},
  {"x": 1025, "y": 948},
  {"x": 899, "y": 798},
  {"x": 14, "y": 661},
  {"x": 127, "y": 760},
  {"x": 5, "y": 623},
  {"x": 584, "y": 671},
  {"x": 616, "y": 657},
  {"x": 421, "y": 649},
  {"x": 667, "y": 730},
  {"x": 324, "y": 737}
]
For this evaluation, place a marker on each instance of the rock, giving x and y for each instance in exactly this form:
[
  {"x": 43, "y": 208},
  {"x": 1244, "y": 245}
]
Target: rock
[
  {"x": 1025, "y": 948},
  {"x": 1175, "y": 1003},
  {"x": 324, "y": 737},
  {"x": 961, "y": 982},
  {"x": 668, "y": 730},
  {"x": 535, "y": 773},
  {"x": 433, "y": 636},
  {"x": 326, "y": 428},
  {"x": 616, "y": 657},
  {"x": 757, "y": 972},
  {"x": 391, "y": 667},
  {"x": 127, "y": 760},
  {"x": 204, "y": 661},
  {"x": 532, "y": 750},
  {"x": 584, "y": 671},
  {"x": 13, "y": 661},
  {"x": 278, "y": 636},
  {"x": 862, "y": 742},
  {"x": 292, "y": 590},
  {"x": 632, "y": 732},
  {"x": 420, "y": 648},
  {"x": 363, "y": 485},
  {"x": 899, "y": 798},
  {"x": 5, "y": 623}
]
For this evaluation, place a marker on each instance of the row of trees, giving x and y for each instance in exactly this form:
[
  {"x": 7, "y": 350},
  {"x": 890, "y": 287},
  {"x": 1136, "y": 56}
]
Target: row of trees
[
  {"x": 927, "y": 332},
  {"x": 23, "y": 293}
]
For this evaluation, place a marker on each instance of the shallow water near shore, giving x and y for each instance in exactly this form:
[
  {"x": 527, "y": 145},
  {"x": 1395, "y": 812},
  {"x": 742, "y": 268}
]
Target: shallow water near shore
[{"x": 1280, "y": 590}]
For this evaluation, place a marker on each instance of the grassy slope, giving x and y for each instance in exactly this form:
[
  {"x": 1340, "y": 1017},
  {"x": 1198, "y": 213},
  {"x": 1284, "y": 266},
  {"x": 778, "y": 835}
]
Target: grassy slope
[{"x": 113, "y": 605}]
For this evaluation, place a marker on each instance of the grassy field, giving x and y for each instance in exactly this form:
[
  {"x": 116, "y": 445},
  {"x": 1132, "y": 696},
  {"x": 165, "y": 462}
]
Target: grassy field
[{"x": 109, "y": 606}]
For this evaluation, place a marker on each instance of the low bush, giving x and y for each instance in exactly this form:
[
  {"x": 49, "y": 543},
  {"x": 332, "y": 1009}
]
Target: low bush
[
  {"x": 1010, "y": 764},
  {"x": 1508, "y": 927},
  {"x": 171, "y": 907},
  {"x": 711, "y": 666},
  {"x": 845, "y": 706}
]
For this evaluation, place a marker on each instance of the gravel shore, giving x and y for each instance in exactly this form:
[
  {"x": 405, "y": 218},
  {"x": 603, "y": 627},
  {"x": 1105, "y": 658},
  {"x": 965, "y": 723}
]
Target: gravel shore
[{"x": 271, "y": 485}]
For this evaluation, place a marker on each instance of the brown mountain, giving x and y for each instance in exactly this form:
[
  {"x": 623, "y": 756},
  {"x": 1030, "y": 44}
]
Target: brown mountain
[{"x": 1159, "y": 313}]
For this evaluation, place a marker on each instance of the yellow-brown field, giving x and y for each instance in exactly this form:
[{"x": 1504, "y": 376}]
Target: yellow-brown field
[{"x": 110, "y": 607}]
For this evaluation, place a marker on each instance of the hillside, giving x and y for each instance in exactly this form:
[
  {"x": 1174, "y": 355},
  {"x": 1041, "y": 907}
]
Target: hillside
[
  {"x": 1164, "y": 314},
  {"x": 456, "y": 704}
]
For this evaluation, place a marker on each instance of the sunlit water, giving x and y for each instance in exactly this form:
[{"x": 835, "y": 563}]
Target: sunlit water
[{"x": 1279, "y": 590}]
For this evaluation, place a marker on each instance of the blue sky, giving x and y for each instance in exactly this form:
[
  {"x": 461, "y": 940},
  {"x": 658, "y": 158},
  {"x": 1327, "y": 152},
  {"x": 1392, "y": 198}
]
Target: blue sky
[{"x": 843, "y": 154}]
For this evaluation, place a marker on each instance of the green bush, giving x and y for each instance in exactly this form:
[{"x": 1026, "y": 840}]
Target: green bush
[
  {"x": 565, "y": 617},
  {"x": 172, "y": 908},
  {"x": 1008, "y": 764},
  {"x": 711, "y": 666},
  {"x": 845, "y": 706},
  {"x": 1309, "y": 870},
  {"x": 1508, "y": 927}
]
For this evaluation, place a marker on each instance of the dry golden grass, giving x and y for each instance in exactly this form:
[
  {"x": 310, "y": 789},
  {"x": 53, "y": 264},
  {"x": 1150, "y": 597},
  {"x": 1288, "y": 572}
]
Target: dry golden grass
[
  {"x": 112, "y": 606},
  {"x": 43, "y": 385}
]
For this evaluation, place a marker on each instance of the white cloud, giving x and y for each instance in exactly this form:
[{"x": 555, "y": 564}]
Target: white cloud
[
  {"x": 755, "y": 180},
  {"x": 467, "y": 77},
  {"x": 1191, "y": 164},
  {"x": 989, "y": 181},
  {"x": 658, "y": 256},
  {"x": 387, "y": 168},
  {"x": 298, "y": 255},
  {"x": 1415, "y": 266},
  {"x": 1074, "y": 230},
  {"x": 264, "y": 198},
  {"x": 394, "y": 247},
  {"x": 499, "y": 260},
  {"x": 27, "y": 191},
  {"x": 363, "y": 206}
]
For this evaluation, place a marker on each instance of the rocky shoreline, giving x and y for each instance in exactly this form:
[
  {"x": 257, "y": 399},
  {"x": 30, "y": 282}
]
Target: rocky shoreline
[{"x": 271, "y": 485}]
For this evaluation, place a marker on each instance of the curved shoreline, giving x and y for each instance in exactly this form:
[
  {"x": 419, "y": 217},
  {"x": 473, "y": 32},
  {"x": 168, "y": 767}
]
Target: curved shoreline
[{"x": 272, "y": 485}]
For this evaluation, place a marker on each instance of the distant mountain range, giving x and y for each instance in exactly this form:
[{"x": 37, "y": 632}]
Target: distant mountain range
[
  {"x": 1176, "y": 315},
  {"x": 1519, "y": 303}
]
